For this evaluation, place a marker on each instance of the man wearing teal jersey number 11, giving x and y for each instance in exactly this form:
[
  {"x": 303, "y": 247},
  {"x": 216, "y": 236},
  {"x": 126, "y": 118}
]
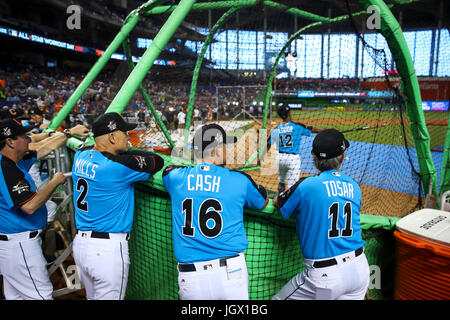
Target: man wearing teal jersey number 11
[{"x": 326, "y": 207}]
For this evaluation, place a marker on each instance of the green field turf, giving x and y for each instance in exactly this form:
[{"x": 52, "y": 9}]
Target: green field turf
[{"x": 391, "y": 134}]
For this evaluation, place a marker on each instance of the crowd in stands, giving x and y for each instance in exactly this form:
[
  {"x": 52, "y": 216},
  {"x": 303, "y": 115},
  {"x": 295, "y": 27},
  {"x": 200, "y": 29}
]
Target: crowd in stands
[
  {"x": 24, "y": 87},
  {"x": 335, "y": 85}
]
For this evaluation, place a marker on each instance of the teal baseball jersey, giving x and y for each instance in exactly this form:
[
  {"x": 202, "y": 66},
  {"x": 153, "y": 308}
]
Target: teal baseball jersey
[
  {"x": 326, "y": 208},
  {"x": 287, "y": 136},
  {"x": 207, "y": 210},
  {"x": 103, "y": 190}
]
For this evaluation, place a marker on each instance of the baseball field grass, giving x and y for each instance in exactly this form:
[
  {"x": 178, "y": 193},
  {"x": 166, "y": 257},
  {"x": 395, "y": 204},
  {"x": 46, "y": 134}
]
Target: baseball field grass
[
  {"x": 388, "y": 125},
  {"x": 373, "y": 127}
]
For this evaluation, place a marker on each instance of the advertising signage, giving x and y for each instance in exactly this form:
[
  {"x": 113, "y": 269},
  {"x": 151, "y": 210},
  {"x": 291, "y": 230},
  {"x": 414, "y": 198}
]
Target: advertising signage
[
  {"x": 348, "y": 94},
  {"x": 435, "y": 105},
  {"x": 73, "y": 47},
  {"x": 305, "y": 94}
]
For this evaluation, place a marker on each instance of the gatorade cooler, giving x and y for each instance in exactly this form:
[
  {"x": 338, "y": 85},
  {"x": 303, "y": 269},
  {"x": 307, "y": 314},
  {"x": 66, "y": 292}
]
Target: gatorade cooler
[{"x": 423, "y": 256}]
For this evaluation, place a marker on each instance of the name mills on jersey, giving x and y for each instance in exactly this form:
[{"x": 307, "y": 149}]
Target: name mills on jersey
[{"x": 85, "y": 168}]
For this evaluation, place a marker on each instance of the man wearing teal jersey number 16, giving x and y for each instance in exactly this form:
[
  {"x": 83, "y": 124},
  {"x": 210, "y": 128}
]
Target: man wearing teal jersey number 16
[{"x": 207, "y": 217}]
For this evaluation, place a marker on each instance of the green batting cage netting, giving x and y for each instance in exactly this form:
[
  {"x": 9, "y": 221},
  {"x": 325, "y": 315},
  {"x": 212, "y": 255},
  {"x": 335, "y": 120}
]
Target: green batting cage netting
[{"x": 353, "y": 72}]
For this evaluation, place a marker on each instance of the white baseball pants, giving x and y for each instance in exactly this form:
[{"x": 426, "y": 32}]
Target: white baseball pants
[
  {"x": 289, "y": 168},
  {"x": 213, "y": 280},
  {"x": 348, "y": 280},
  {"x": 102, "y": 265},
  {"x": 24, "y": 269}
]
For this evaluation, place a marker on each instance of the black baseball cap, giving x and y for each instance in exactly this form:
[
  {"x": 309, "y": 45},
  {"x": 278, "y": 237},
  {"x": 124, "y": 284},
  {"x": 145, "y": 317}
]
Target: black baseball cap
[
  {"x": 12, "y": 128},
  {"x": 283, "y": 110},
  {"x": 329, "y": 143},
  {"x": 36, "y": 110},
  {"x": 110, "y": 122},
  {"x": 11, "y": 113},
  {"x": 208, "y": 137}
]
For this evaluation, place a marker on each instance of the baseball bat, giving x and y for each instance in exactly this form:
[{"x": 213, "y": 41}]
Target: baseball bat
[
  {"x": 358, "y": 129},
  {"x": 366, "y": 128}
]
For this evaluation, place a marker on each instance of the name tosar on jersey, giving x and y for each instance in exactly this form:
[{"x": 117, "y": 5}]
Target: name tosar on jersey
[{"x": 339, "y": 188}]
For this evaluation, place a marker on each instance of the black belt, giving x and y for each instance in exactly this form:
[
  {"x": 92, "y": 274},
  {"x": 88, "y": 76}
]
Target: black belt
[
  {"x": 102, "y": 235},
  {"x": 332, "y": 261},
  {"x": 189, "y": 267},
  {"x": 4, "y": 237},
  {"x": 286, "y": 152}
]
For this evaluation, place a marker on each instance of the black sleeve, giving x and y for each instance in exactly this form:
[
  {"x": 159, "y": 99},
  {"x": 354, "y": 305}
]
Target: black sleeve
[
  {"x": 141, "y": 161},
  {"x": 30, "y": 154},
  {"x": 159, "y": 162},
  {"x": 284, "y": 196},
  {"x": 258, "y": 187},
  {"x": 19, "y": 189},
  {"x": 170, "y": 168}
]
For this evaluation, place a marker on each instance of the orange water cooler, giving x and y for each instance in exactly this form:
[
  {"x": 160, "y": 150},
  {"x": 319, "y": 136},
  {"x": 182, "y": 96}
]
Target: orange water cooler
[{"x": 423, "y": 256}]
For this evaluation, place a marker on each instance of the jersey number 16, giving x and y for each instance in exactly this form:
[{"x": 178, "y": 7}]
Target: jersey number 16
[{"x": 209, "y": 210}]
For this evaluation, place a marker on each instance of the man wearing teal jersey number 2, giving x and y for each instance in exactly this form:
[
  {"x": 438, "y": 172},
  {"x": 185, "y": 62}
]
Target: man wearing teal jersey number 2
[{"x": 103, "y": 195}]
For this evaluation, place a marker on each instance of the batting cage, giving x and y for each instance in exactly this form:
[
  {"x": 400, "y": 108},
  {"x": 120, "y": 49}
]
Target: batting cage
[{"x": 362, "y": 83}]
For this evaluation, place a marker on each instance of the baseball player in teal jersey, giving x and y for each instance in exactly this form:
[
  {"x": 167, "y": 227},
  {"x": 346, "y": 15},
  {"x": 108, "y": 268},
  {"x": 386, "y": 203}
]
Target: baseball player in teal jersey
[
  {"x": 326, "y": 207},
  {"x": 23, "y": 214},
  {"x": 103, "y": 196},
  {"x": 287, "y": 136},
  {"x": 207, "y": 217}
]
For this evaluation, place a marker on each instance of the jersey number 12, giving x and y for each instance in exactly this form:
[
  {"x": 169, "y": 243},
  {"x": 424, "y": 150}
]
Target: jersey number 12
[{"x": 286, "y": 141}]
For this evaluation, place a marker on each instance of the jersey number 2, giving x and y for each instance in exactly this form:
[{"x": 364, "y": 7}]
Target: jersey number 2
[
  {"x": 333, "y": 212},
  {"x": 210, "y": 209},
  {"x": 82, "y": 187}
]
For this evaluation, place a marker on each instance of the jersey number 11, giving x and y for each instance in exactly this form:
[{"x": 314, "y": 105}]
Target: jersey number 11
[{"x": 333, "y": 212}]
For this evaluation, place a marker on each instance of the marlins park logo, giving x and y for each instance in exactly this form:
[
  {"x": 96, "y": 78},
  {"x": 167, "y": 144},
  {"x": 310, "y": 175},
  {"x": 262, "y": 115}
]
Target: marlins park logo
[{"x": 21, "y": 187}]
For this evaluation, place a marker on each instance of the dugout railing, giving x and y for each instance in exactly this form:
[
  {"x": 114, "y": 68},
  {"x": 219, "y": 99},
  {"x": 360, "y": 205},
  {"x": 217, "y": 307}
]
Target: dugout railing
[{"x": 58, "y": 235}]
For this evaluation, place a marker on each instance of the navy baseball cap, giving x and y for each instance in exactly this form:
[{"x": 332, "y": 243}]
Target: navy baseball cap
[
  {"x": 110, "y": 122},
  {"x": 208, "y": 137},
  {"x": 12, "y": 128},
  {"x": 329, "y": 143}
]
